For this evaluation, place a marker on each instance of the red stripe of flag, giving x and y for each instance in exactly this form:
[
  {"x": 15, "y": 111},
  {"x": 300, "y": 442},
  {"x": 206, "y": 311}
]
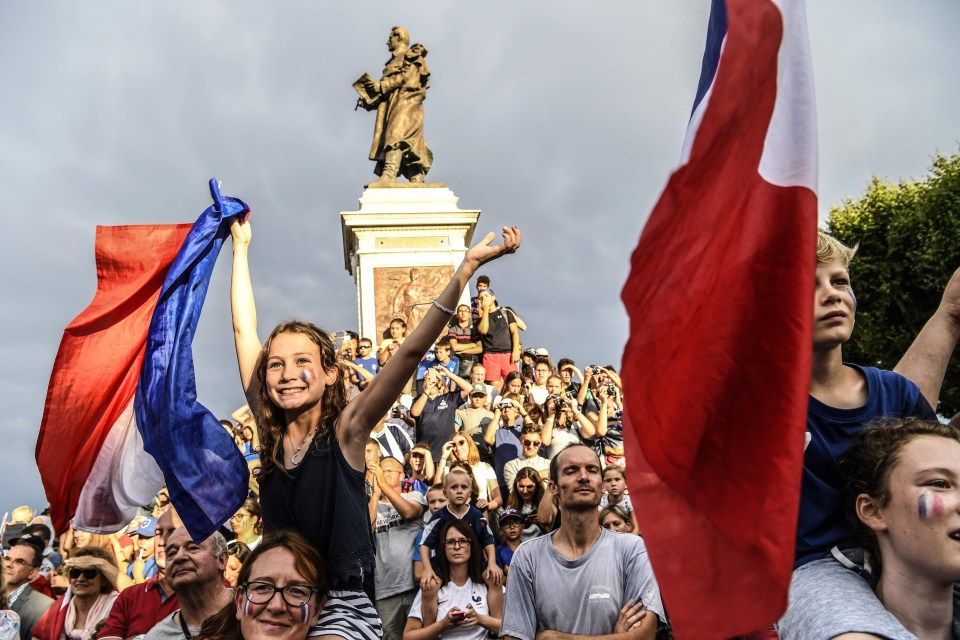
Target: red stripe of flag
[
  {"x": 98, "y": 364},
  {"x": 717, "y": 367}
]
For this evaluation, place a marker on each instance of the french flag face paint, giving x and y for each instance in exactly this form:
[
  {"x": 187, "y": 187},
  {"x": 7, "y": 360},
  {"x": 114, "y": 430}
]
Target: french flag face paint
[
  {"x": 304, "y": 611},
  {"x": 246, "y": 608},
  {"x": 929, "y": 505},
  {"x": 854, "y": 298},
  {"x": 308, "y": 375}
]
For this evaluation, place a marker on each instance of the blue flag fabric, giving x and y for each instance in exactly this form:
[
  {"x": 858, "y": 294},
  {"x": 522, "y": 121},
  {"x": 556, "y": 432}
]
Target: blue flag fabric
[{"x": 204, "y": 470}]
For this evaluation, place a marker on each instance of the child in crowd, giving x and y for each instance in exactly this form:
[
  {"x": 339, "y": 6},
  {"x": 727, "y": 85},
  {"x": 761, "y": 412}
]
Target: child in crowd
[
  {"x": 436, "y": 500},
  {"x": 511, "y": 526},
  {"x": 457, "y": 487},
  {"x": 614, "y": 518},
  {"x": 615, "y": 493},
  {"x": 525, "y": 496},
  {"x": 843, "y": 398},
  {"x": 421, "y": 469}
]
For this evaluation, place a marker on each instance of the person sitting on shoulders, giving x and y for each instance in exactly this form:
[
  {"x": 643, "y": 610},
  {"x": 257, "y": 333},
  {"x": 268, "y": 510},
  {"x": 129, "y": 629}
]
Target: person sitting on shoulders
[
  {"x": 457, "y": 487},
  {"x": 462, "y": 603}
]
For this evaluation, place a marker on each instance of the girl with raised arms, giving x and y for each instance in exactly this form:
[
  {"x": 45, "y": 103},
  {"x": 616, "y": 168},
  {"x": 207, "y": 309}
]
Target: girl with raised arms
[{"x": 312, "y": 441}]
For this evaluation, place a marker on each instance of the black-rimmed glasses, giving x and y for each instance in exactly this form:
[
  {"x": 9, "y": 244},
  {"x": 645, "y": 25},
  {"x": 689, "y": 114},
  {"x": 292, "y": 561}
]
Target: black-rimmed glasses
[
  {"x": 293, "y": 594},
  {"x": 453, "y": 543}
]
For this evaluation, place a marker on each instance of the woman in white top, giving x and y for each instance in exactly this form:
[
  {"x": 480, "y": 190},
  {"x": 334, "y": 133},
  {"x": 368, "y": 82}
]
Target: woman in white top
[{"x": 463, "y": 607}]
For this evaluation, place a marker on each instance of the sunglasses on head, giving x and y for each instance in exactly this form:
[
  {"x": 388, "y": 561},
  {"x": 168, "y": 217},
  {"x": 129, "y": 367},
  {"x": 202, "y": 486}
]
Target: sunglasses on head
[{"x": 89, "y": 574}]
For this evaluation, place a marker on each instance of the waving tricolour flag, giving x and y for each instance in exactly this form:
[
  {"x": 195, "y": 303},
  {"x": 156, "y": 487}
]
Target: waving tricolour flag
[
  {"x": 121, "y": 418},
  {"x": 717, "y": 366}
]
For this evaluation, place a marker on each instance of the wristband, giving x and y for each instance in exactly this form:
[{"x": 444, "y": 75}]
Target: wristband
[{"x": 439, "y": 306}]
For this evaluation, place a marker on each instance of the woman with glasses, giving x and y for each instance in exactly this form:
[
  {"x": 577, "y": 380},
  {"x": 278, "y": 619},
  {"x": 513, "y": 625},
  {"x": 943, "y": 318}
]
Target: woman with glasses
[
  {"x": 247, "y": 523},
  {"x": 281, "y": 591},
  {"x": 237, "y": 554},
  {"x": 78, "y": 613},
  {"x": 463, "y": 606},
  {"x": 462, "y": 448},
  {"x": 312, "y": 460}
]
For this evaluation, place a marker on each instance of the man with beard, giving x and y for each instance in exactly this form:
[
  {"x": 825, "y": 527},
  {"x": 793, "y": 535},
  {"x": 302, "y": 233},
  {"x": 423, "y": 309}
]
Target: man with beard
[{"x": 581, "y": 579}]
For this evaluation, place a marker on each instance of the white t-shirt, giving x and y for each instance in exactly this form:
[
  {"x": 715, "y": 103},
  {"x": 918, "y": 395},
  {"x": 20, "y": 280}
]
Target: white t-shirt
[{"x": 453, "y": 597}]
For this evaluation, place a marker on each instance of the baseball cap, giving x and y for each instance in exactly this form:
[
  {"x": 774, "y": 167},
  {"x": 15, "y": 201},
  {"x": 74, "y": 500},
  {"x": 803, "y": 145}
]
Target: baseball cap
[
  {"x": 478, "y": 390},
  {"x": 510, "y": 514},
  {"x": 540, "y": 351},
  {"x": 142, "y": 526}
]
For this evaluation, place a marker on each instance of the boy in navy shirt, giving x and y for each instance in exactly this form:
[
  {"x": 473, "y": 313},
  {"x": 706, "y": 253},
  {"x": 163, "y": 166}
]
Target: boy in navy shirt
[
  {"x": 457, "y": 488},
  {"x": 825, "y": 596}
]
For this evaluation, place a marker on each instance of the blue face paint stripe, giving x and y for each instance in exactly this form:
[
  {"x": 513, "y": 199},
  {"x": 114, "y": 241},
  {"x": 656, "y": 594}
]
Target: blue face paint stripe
[{"x": 922, "y": 507}]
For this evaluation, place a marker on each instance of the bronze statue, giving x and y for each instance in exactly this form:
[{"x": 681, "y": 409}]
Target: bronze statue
[{"x": 398, "y": 145}]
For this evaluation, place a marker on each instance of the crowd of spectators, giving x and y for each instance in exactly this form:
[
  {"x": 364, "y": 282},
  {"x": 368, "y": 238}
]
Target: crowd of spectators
[
  {"x": 497, "y": 498},
  {"x": 457, "y": 473}
]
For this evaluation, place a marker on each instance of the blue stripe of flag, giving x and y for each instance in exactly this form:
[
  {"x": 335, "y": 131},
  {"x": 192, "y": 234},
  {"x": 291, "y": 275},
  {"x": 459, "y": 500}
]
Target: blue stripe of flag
[
  {"x": 204, "y": 470},
  {"x": 716, "y": 32}
]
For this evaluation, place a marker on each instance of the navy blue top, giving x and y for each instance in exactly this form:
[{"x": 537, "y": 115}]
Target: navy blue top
[
  {"x": 473, "y": 517},
  {"x": 822, "y": 523},
  {"x": 324, "y": 498}
]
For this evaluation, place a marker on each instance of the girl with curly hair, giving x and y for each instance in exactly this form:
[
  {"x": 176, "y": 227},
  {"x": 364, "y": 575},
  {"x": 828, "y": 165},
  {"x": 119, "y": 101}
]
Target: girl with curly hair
[{"x": 312, "y": 442}]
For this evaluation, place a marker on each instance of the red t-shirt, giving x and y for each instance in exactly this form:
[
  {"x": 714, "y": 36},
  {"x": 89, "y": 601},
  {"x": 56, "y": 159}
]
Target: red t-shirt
[{"x": 137, "y": 609}]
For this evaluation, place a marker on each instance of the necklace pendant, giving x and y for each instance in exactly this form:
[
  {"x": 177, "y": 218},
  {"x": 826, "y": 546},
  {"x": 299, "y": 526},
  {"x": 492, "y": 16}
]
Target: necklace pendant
[{"x": 294, "y": 459}]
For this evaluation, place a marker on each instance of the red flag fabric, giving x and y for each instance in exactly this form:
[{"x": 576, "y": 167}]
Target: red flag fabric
[
  {"x": 717, "y": 366},
  {"x": 96, "y": 370}
]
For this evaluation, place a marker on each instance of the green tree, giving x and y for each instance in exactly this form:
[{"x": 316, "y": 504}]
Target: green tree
[{"x": 909, "y": 245}]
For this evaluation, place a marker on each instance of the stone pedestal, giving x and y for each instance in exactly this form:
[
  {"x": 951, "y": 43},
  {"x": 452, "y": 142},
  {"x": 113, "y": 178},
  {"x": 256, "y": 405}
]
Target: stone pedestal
[{"x": 401, "y": 247}]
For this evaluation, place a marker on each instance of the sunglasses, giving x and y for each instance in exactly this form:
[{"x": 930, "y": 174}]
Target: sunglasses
[
  {"x": 363, "y": 346},
  {"x": 89, "y": 574},
  {"x": 459, "y": 443},
  {"x": 531, "y": 443}
]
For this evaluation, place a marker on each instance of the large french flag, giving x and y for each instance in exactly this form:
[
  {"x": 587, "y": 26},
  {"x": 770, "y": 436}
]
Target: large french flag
[
  {"x": 121, "y": 418},
  {"x": 717, "y": 366}
]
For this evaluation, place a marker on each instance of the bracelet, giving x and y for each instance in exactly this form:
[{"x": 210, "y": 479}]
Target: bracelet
[{"x": 449, "y": 312}]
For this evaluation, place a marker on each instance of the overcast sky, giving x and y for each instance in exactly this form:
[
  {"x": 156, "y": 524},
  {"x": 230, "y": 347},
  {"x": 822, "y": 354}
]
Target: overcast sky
[{"x": 562, "y": 117}]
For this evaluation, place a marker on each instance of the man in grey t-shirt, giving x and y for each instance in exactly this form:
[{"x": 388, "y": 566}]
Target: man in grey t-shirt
[
  {"x": 590, "y": 581},
  {"x": 397, "y": 522}
]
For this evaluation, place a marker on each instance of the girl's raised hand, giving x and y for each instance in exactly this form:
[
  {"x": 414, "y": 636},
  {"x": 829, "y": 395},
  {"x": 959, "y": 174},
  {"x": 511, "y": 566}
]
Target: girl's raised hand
[
  {"x": 485, "y": 251},
  {"x": 241, "y": 232}
]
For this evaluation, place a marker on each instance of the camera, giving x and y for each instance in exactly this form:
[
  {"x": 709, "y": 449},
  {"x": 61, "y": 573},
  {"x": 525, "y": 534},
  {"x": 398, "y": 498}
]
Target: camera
[
  {"x": 611, "y": 389},
  {"x": 596, "y": 370}
]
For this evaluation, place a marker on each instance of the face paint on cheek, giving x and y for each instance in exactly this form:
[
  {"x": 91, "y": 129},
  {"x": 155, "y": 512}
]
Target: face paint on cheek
[
  {"x": 304, "y": 611},
  {"x": 929, "y": 505},
  {"x": 246, "y": 608},
  {"x": 308, "y": 375}
]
